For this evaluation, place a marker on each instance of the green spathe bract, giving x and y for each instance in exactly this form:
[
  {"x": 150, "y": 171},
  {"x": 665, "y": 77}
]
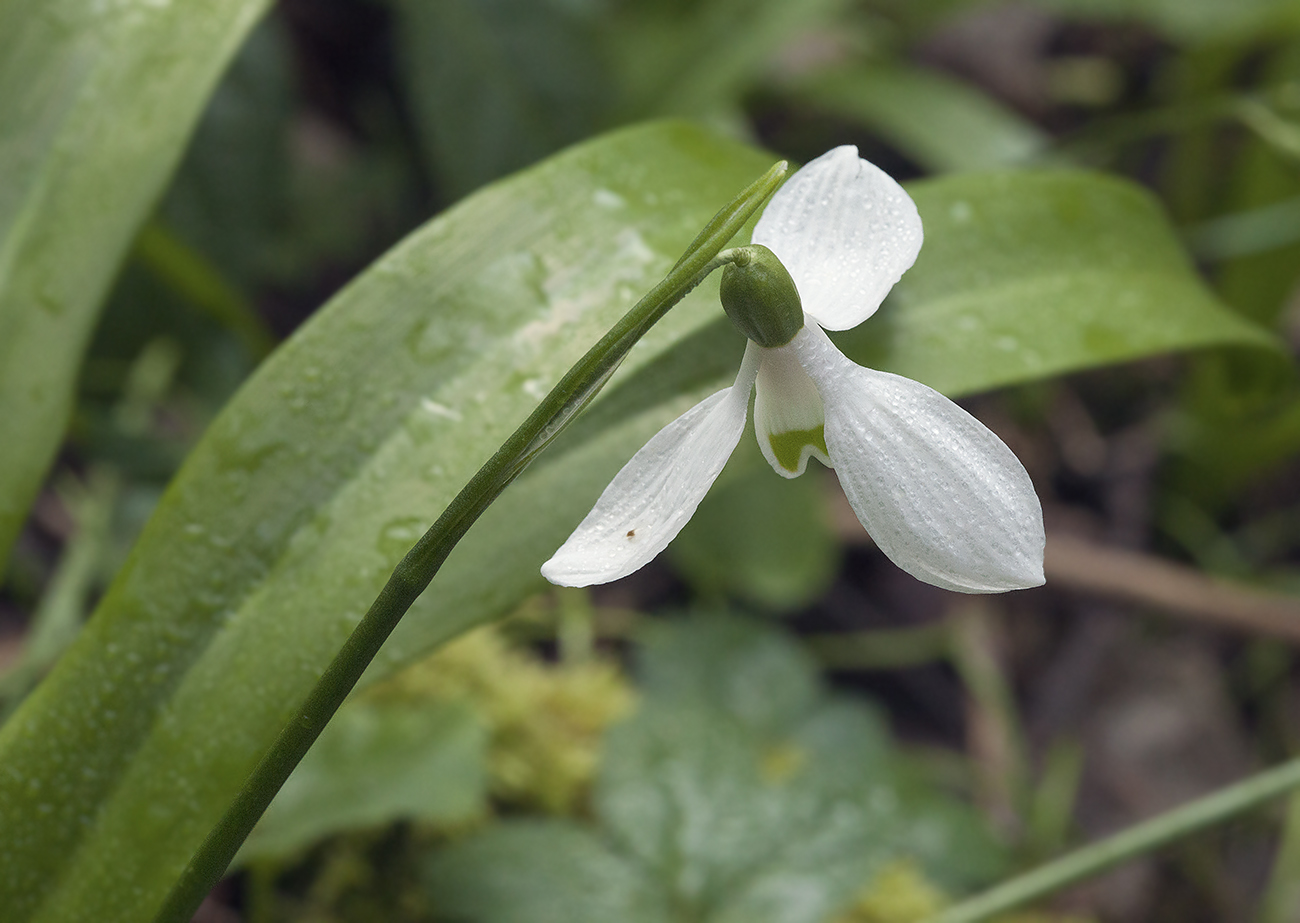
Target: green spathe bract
[{"x": 760, "y": 297}]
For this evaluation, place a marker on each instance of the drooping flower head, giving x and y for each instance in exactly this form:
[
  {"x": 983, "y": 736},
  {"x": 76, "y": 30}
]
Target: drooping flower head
[{"x": 941, "y": 495}]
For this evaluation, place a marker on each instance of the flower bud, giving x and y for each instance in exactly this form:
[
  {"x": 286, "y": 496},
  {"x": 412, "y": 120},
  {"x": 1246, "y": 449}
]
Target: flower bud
[{"x": 760, "y": 297}]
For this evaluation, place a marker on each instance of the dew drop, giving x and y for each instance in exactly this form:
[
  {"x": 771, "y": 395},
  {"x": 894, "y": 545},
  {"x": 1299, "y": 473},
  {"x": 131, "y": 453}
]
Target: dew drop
[{"x": 397, "y": 536}]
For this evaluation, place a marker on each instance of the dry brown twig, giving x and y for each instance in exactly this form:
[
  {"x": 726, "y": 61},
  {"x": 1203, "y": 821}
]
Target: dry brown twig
[
  {"x": 1176, "y": 589},
  {"x": 1141, "y": 579}
]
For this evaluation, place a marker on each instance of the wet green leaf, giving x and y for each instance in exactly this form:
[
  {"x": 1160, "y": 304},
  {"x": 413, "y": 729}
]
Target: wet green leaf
[{"x": 96, "y": 102}]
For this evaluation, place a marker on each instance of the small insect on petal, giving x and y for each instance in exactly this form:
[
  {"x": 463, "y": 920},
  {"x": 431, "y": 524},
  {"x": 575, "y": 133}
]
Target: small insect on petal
[{"x": 658, "y": 489}]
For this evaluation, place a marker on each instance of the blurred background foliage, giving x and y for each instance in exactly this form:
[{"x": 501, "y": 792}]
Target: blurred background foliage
[{"x": 1125, "y": 686}]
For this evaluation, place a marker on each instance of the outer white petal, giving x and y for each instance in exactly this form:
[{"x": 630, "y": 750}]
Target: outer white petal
[
  {"x": 941, "y": 495},
  {"x": 658, "y": 491},
  {"x": 846, "y": 232}
]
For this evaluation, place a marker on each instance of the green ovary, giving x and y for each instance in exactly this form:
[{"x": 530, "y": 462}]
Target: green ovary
[{"x": 788, "y": 447}]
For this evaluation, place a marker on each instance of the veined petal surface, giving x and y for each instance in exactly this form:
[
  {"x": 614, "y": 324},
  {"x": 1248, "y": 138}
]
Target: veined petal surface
[
  {"x": 846, "y": 232},
  {"x": 656, "y": 493},
  {"x": 940, "y": 494}
]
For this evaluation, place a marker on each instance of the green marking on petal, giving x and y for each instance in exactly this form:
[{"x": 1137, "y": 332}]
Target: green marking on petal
[{"x": 788, "y": 447}]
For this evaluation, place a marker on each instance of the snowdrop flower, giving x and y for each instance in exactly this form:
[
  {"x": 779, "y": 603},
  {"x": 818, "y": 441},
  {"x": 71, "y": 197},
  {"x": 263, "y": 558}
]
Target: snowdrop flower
[{"x": 941, "y": 495}]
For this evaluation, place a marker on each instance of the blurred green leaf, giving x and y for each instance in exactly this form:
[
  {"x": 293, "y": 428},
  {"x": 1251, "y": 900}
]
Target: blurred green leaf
[
  {"x": 1194, "y": 21},
  {"x": 498, "y": 85},
  {"x": 272, "y": 191},
  {"x": 939, "y": 122},
  {"x": 1248, "y": 233},
  {"x": 288, "y": 517},
  {"x": 213, "y": 359},
  {"x": 96, "y": 101},
  {"x": 1264, "y": 226},
  {"x": 1238, "y": 418},
  {"x": 757, "y": 677},
  {"x": 697, "y": 58},
  {"x": 187, "y": 273},
  {"x": 543, "y": 872},
  {"x": 229, "y": 195},
  {"x": 376, "y": 763},
  {"x": 733, "y": 820},
  {"x": 67, "y": 598}
]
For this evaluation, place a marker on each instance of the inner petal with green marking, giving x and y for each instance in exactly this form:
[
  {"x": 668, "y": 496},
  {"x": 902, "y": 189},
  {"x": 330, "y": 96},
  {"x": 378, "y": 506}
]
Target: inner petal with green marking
[
  {"x": 788, "y": 414},
  {"x": 793, "y": 448}
]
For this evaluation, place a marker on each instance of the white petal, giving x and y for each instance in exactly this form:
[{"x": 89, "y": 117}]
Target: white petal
[
  {"x": 941, "y": 495},
  {"x": 788, "y": 418},
  {"x": 658, "y": 491},
  {"x": 846, "y": 232}
]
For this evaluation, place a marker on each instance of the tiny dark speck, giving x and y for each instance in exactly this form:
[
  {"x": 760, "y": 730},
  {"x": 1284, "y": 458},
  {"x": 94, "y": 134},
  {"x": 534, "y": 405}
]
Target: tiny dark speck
[{"x": 631, "y": 533}]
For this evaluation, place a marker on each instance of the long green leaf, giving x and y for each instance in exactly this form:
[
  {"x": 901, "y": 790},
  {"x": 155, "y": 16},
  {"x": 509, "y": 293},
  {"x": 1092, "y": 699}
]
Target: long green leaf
[
  {"x": 96, "y": 102},
  {"x": 288, "y": 518},
  {"x": 335, "y": 457}
]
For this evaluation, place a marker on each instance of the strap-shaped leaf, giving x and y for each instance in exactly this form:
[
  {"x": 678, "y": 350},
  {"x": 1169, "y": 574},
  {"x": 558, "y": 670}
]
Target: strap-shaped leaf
[
  {"x": 96, "y": 102},
  {"x": 286, "y": 520}
]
